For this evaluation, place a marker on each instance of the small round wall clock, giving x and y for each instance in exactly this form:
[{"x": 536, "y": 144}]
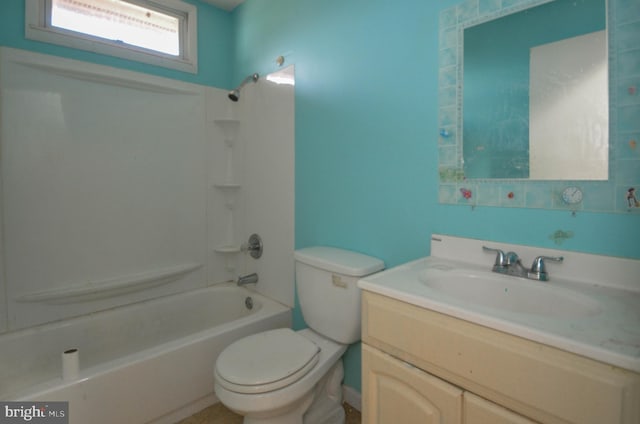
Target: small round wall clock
[{"x": 572, "y": 195}]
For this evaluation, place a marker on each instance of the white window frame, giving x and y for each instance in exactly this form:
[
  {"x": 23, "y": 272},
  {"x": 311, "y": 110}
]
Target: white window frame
[{"x": 38, "y": 15}]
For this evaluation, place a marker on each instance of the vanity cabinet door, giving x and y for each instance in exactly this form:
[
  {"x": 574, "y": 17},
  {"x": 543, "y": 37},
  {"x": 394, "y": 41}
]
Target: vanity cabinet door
[
  {"x": 396, "y": 392},
  {"x": 477, "y": 410}
]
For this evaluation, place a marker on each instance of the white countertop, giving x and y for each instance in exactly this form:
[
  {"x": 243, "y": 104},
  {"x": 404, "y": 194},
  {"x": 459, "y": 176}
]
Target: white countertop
[{"x": 612, "y": 335}]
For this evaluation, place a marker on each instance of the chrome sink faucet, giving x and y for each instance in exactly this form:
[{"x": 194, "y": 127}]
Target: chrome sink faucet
[{"x": 509, "y": 263}]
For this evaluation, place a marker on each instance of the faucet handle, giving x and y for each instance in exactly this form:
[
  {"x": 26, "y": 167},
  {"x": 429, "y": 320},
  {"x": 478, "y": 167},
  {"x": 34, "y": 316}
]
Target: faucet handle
[
  {"x": 501, "y": 260},
  {"x": 538, "y": 268},
  {"x": 254, "y": 247}
]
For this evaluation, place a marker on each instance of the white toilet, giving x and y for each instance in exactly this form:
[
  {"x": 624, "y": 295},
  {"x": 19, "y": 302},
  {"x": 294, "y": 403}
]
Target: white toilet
[{"x": 285, "y": 377}]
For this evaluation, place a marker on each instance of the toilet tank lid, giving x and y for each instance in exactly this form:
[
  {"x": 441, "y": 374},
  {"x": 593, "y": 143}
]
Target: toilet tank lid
[{"x": 340, "y": 261}]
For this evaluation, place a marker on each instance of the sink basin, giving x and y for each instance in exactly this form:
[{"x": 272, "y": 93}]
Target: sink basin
[
  {"x": 507, "y": 293},
  {"x": 590, "y": 306}
]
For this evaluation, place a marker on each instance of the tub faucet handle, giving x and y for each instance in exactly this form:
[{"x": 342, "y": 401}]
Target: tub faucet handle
[{"x": 254, "y": 247}]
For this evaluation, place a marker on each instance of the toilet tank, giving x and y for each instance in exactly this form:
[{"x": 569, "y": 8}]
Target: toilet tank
[{"x": 329, "y": 298}]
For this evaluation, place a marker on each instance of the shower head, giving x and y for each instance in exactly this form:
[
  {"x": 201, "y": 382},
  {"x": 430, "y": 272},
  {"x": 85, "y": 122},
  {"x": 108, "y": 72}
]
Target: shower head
[{"x": 234, "y": 94}]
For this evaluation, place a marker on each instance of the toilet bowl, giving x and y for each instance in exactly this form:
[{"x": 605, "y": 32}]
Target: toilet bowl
[
  {"x": 292, "y": 392},
  {"x": 293, "y": 377}
]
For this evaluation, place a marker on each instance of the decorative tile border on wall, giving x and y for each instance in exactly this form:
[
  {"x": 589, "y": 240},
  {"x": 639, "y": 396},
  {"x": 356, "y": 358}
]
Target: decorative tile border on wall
[{"x": 624, "y": 140}]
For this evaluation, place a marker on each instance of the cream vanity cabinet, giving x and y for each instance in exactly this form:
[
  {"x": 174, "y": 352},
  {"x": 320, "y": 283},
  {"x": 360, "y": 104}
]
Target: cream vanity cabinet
[
  {"x": 420, "y": 366},
  {"x": 398, "y": 392}
]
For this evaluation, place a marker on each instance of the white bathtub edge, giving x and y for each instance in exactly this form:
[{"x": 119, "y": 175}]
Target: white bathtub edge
[{"x": 159, "y": 385}]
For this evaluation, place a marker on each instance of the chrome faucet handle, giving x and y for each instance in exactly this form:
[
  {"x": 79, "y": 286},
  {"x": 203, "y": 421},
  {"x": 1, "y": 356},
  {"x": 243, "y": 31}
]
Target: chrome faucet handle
[
  {"x": 501, "y": 260},
  {"x": 538, "y": 268},
  {"x": 254, "y": 247}
]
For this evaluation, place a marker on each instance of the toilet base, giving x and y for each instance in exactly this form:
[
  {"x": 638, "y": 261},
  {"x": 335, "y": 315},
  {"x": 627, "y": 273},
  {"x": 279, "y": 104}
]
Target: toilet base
[
  {"x": 327, "y": 406},
  {"x": 293, "y": 416},
  {"x": 327, "y": 411},
  {"x": 322, "y": 405}
]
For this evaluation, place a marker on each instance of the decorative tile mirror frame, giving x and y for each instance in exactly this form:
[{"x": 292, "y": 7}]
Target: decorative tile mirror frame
[{"x": 615, "y": 195}]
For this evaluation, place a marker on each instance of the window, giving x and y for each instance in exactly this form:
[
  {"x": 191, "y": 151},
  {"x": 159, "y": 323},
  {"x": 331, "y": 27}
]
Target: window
[{"x": 160, "y": 32}]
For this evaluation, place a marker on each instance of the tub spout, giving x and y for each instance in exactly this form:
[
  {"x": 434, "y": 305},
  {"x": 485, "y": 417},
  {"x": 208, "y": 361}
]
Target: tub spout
[{"x": 247, "y": 279}]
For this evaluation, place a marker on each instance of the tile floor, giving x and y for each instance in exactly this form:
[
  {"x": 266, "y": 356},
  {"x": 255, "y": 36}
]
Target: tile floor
[{"x": 218, "y": 414}]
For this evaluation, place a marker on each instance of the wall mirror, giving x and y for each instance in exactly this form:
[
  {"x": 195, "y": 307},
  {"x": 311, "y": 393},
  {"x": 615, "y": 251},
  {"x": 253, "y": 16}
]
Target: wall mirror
[
  {"x": 513, "y": 135},
  {"x": 535, "y": 98}
]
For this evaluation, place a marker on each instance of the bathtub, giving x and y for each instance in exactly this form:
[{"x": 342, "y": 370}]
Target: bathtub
[{"x": 148, "y": 362}]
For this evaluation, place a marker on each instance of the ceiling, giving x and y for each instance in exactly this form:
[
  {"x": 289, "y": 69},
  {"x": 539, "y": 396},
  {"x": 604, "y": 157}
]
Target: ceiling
[{"x": 227, "y": 5}]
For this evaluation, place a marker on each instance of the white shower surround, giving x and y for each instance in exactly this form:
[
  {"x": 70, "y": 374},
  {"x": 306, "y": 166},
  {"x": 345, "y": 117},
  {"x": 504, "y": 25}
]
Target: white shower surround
[{"x": 109, "y": 184}]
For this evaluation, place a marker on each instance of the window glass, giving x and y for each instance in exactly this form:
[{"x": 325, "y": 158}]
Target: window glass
[
  {"x": 160, "y": 32},
  {"x": 119, "y": 21}
]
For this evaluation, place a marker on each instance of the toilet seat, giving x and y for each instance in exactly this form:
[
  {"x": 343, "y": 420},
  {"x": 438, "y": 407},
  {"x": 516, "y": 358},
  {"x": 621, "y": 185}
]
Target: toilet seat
[{"x": 266, "y": 361}]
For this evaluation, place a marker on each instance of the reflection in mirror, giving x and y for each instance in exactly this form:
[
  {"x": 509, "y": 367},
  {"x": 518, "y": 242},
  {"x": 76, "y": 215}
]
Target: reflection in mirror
[
  {"x": 569, "y": 109},
  {"x": 535, "y": 98}
]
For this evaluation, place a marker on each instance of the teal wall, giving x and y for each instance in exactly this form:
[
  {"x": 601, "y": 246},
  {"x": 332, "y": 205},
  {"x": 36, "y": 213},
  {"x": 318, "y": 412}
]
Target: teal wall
[
  {"x": 215, "y": 45},
  {"x": 366, "y": 136}
]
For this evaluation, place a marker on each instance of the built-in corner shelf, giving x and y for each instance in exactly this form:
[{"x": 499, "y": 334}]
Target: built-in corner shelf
[
  {"x": 227, "y": 249},
  {"x": 227, "y": 187},
  {"x": 229, "y": 128},
  {"x": 227, "y": 122}
]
